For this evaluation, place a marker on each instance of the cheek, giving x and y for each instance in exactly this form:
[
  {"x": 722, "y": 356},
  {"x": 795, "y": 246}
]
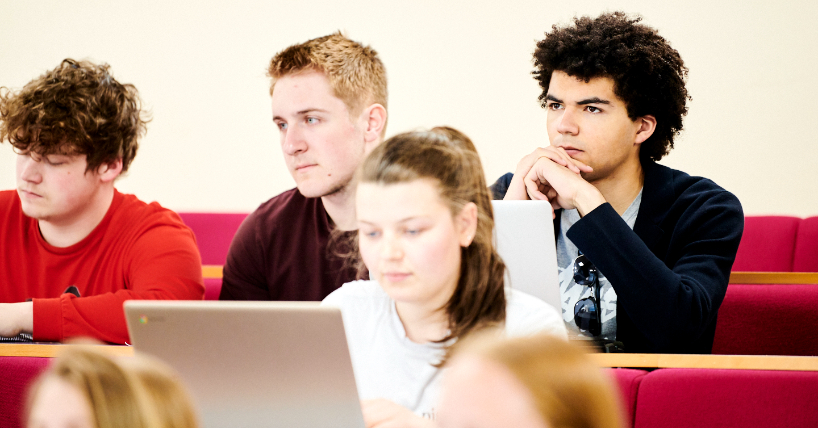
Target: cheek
[
  {"x": 368, "y": 251},
  {"x": 439, "y": 256}
]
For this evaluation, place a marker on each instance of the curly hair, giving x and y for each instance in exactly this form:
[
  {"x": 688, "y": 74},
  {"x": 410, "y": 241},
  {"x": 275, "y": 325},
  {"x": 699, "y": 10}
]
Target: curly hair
[
  {"x": 77, "y": 108},
  {"x": 648, "y": 74},
  {"x": 355, "y": 72}
]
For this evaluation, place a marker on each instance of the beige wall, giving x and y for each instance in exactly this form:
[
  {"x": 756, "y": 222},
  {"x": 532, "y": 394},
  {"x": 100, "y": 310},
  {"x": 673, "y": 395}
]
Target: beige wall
[{"x": 212, "y": 146}]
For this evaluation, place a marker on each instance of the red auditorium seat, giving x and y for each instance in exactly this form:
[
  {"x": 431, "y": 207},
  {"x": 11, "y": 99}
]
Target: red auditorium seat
[
  {"x": 628, "y": 381},
  {"x": 704, "y": 398},
  {"x": 767, "y": 244},
  {"x": 768, "y": 319},
  {"x": 214, "y": 232},
  {"x": 16, "y": 375},
  {"x": 806, "y": 246}
]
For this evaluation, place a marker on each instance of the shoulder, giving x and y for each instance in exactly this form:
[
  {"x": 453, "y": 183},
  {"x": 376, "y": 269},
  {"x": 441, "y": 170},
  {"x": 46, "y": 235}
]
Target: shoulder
[
  {"x": 685, "y": 188},
  {"x": 131, "y": 211},
  {"x": 526, "y": 314},
  {"x": 358, "y": 294},
  {"x": 500, "y": 187}
]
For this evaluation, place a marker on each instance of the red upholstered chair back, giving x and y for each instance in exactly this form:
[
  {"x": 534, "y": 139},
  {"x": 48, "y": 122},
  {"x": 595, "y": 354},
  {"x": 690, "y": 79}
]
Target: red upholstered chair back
[
  {"x": 767, "y": 245},
  {"x": 16, "y": 375},
  {"x": 628, "y": 381},
  {"x": 704, "y": 398},
  {"x": 214, "y": 232},
  {"x": 768, "y": 319},
  {"x": 806, "y": 246}
]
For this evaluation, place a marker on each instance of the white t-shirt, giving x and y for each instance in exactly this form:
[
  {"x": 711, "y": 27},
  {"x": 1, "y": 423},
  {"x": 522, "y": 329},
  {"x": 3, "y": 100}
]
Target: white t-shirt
[{"x": 389, "y": 365}]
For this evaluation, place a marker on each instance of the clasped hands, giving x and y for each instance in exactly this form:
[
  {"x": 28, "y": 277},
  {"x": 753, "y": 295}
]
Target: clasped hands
[{"x": 549, "y": 174}]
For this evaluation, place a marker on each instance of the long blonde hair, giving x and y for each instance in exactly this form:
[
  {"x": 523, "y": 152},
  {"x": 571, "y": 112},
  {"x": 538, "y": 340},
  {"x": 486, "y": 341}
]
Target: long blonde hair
[{"x": 137, "y": 393}]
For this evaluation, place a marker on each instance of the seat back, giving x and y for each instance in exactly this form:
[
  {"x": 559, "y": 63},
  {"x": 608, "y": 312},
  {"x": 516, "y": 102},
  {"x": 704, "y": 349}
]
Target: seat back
[
  {"x": 806, "y": 246},
  {"x": 768, "y": 319},
  {"x": 214, "y": 232},
  {"x": 628, "y": 381},
  {"x": 767, "y": 244},
  {"x": 704, "y": 398},
  {"x": 16, "y": 376}
]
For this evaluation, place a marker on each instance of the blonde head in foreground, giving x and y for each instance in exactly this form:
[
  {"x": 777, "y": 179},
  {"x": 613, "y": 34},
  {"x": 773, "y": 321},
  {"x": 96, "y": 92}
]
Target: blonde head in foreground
[
  {"x": 86, "y": 389},
  {"x": 533, "y": 382}
]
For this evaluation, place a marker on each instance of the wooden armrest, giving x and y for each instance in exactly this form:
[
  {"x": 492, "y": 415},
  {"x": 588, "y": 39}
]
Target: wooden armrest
[
  {"x": 774, "y": 278},
  {"x": 212, "y": 271}
]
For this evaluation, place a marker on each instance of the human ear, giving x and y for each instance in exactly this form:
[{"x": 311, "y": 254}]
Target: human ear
[
  {"x": 647, "y": 124},
  {"x": 108, "y": 172},
  {"x": 467, "y": 224},
  {"x": 375, "y": 117}
]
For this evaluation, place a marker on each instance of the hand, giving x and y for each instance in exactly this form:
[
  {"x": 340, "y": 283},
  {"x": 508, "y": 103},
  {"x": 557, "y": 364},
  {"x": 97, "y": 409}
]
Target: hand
[
  {"x": 382, "y": 413},
  {"x": 16, "y": 318},
  {"x": 563, "y": 188},
  {"x": 517, "y": 188}
]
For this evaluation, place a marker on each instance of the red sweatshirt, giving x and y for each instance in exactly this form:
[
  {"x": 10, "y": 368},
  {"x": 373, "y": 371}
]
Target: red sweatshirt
[{"x": 138, "y": 251}]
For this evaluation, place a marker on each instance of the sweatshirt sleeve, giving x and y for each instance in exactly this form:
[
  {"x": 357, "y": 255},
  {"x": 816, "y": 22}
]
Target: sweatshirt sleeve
[
  {"x": 245, "y": 276},
  {"x": 673, "y": 299},
  {"x": 162, "y": 264}
]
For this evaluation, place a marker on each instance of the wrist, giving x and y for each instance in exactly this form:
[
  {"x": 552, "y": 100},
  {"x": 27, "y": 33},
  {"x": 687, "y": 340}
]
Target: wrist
[{"x": 587, "y": 199}]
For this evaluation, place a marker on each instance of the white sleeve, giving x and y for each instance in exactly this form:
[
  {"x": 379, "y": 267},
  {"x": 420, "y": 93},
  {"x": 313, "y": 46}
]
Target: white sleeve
[{"x": 527, "y": 315}]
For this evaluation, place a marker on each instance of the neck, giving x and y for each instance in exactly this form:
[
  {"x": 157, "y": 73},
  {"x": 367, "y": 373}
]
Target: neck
[
  {"x": 621, "y": 187},
  {"x": 340, "y": 207},
  {"x": 423, "y": 324},
  {"x": 69, "y": 231}
]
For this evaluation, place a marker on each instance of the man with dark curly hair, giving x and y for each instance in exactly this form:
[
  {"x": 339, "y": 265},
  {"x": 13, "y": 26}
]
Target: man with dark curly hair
[
  {"x": 73, "y": 247},
  {"x": 644, "y": 251}
]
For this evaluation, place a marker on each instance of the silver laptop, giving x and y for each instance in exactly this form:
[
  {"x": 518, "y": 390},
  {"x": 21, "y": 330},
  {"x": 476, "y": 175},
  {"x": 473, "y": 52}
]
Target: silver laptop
[
  {"x": 524, "y": 237},
  {"x": 254, "y": 364}
]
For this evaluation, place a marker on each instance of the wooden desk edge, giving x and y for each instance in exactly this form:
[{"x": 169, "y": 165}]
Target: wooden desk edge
[
  {"x": 746, "y": 362},
  {"x": 774, "y": 278},
  {"x": 52, "y": 350}
]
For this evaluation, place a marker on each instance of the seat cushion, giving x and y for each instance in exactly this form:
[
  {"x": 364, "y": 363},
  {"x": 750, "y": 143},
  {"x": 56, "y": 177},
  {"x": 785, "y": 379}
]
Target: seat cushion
[
  {"x": 214, "y": 232},
  {"x": 16, "y": 375},
  {"x": 628, "y": 381},
  {"x": 768, "y": 319},
  {"x": 704, "y": 398},
  {"x": 806, "y": 246}
]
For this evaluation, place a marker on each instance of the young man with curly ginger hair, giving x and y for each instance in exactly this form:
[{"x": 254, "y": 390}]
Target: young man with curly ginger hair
[
  {"x": 329, "y": 104},
  {"x": 655, "y": 245},
  {"x": 73, "y": 247}
]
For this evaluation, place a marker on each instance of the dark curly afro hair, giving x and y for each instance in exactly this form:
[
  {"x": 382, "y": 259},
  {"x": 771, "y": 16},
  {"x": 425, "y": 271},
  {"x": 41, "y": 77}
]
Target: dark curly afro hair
[
  {"x": 648, "y": 74},
  {"x": 77, "y": 108}
]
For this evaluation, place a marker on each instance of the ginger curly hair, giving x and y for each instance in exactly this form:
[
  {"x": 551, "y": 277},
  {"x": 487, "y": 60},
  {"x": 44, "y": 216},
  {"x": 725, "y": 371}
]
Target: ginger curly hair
[
  {"x": 78, "y": 108},
  {"x": 648, "y": 74}
]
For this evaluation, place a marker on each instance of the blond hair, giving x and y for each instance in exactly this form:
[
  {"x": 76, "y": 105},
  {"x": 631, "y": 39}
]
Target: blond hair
[
  {"x": 354, "y": 71},
  {"x": 569, "y": 390},
  {"x": 141, "y": 393}
]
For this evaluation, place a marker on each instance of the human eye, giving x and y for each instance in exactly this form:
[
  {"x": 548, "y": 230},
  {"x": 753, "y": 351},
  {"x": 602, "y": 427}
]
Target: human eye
[
  {"x": 54, "y": 160},
  {"x": 311, "y": 120},
  {"x": 592, "y": 109},
  {"x": 369, "y": 233},
  {"x": 413, "y": 231},
  {"x": 553, "y": 105},
  {"x": 282, "y": 126}
]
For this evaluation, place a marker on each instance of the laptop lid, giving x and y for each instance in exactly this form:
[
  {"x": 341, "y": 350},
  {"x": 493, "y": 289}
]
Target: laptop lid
[
  {"x": 260, "y": 364},
  {"x": 524, "y": 238}
]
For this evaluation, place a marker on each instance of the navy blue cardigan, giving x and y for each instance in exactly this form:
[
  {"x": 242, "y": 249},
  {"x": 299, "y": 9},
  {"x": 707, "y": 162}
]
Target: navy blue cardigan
[{"x": 670, "y": 272}]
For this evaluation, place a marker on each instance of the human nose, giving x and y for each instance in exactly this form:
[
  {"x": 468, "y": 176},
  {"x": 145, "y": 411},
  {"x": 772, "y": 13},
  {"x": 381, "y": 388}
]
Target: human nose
[
  {"x": 293, "y": 142},
  {"x": 28, "y": 169},
  {"x": 391, "y": 248},
  {"x": 567, "y": 124}
]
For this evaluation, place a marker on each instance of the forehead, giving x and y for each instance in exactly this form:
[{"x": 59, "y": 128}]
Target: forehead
[
  {"x": 299, "y": 92},
  {"x": 377, "y": 202},
  {"x": 571, "y": 89}
]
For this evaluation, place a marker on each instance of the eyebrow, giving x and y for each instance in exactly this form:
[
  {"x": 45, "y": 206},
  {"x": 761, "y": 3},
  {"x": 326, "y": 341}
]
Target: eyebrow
[
  {"x": 302, "y": 113},
  {"x": 403, "y": 220},
  {"x": 594, "y": 100}
]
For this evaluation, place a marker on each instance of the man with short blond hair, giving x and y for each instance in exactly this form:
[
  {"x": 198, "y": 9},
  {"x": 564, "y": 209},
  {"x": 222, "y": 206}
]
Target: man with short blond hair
[{"x": 329, "y": 103}]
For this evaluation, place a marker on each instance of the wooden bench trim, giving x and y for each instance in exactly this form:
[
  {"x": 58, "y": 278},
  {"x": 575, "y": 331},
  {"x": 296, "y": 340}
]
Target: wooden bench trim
[
  {"x": 212, "y": 271},
  {"x": 774, "y": 278}
]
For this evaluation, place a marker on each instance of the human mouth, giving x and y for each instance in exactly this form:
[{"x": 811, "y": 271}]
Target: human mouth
[
  {"x": 304, "y": 167},
  {"x": 396, "y": 276},
  {"x": 27, "y": 194},
  {"x": 572, "y": 152}
]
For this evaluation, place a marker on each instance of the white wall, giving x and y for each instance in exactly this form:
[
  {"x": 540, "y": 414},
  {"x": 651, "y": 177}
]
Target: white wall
[{"x": 200, "y": 68}]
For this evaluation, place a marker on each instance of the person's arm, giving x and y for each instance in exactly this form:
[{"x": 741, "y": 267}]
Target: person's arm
[
  {"x": 16, "y": 318},
  {"x": 162, "y": 264},
  {"x": 671, "y": 301},
  {"x": 244, "y": 276},
  {"x": 382, "y": 413}
]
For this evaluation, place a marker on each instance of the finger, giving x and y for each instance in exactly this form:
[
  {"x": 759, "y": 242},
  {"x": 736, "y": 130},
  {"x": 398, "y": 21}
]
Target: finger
[{"x": 580, "y": 166}]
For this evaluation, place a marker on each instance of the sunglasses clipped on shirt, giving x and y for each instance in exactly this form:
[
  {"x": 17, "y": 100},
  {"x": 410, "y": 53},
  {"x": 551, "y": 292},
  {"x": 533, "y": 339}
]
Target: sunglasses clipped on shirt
[{"x": 587, "y": 311}]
